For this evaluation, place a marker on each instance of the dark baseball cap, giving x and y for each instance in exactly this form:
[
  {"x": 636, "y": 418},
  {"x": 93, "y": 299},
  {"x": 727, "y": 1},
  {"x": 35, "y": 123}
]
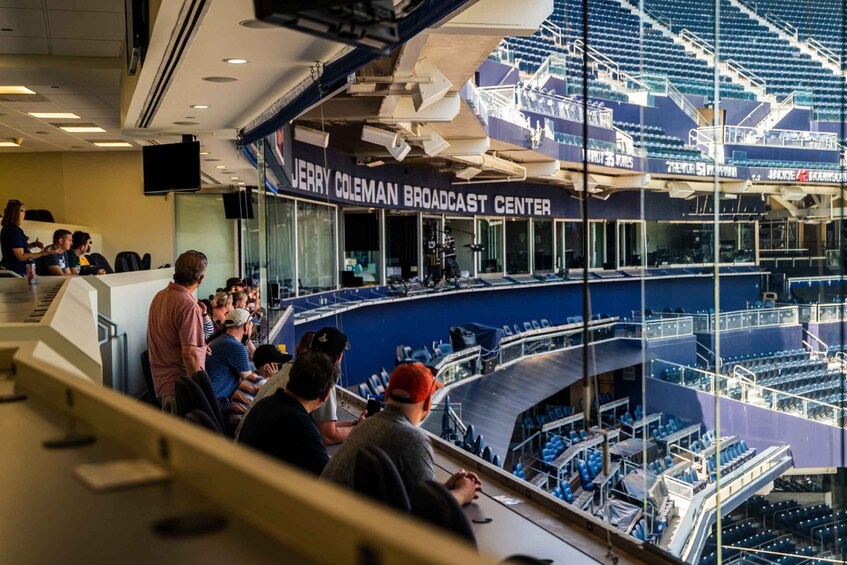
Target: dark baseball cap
[
  {"x": 330, "y": 341},
  {"x": 267, "y": 353}
]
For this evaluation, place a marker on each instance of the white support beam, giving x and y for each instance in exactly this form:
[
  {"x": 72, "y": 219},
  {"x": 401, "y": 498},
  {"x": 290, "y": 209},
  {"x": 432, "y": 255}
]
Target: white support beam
[
  {"x": 473, "y": 146},
  {"x": 444, "y": 110},
  {"x": 500, "y": 17},
  {"x": 543, "y": 169}
]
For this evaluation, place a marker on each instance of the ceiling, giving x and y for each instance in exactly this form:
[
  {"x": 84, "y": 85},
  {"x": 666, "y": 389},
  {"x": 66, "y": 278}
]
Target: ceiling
[{"x": 67, "y": 52}]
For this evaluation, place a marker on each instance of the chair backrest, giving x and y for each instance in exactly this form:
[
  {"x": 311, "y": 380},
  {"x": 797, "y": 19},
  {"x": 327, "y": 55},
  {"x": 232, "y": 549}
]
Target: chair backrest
[
  {"x": 148, "y": 377},
  {"x": 376, "y": 477},
  {"x": 364, "y": 392},
  {"x": 432, "y": 502},
  {"x": 132, "y": 261},
  {"x": 201, "y": 379},
  {"x": 202, "y": 419},
  {"x": 145, "y": 262},
  {"x": 40, "y": 216},
  {"x": 507, "y": 330},
  {"x": 100, "y": 261}
]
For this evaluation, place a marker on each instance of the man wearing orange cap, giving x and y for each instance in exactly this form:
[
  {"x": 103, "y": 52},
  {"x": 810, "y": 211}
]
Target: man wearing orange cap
[{"x": 395, "y": 430}]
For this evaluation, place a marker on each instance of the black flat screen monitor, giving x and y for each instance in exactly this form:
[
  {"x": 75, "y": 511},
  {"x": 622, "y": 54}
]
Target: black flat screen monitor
[
  {"x": 238, "y": 205},
  {"x": 171, "y": 168}
]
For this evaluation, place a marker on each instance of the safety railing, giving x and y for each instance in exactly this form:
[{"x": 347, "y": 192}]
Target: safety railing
[
  {"x": 749, "y": 392},
  {"x": 741, "y": 135},
  {"x": 460, "y": 365},
  {"x": 823, "y": 51},
  {"x": 656, "y": 329},
  {"x": 531, "y": 100},
  {"x": 834, "y": 312},
  {"x": 745, "y": 319},
  {"x": 604, "y": 63},
  {"x": 114, "y": 351},
  {"x": 785, "y": 26},
  {"x": 500, "y": 103},
  {"x": 556, "y": 338}
]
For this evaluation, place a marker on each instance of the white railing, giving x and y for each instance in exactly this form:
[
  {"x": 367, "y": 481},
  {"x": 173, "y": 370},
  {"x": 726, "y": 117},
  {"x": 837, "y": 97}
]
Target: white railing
[
  {"x": 832, "y": 312},
  {"x": 686, "y": 106},
  {"x": 500, "y": 103},
  {"x": 553, "y": 31},
  {"x": 778, "y": 112},
  {"x": 531, "y": 100},
  {"x": 657, "y": 329},
  {"x": 782, "y": 24},
  {"x": 623, "y": 142},
  {"x": 752, "y": 113},
  {"x": 708, "y": 140},
  {"x": 758, "y": 83},
  {"x": 602, "y": 62},
  {"x": 823, "y": 51},
  {"x": 691, "y": 37},
  {"x": 471, "y": 95},
  {"x": 736, "y": 135}
]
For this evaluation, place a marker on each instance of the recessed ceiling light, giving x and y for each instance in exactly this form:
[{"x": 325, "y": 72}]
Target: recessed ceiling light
[
  {"x": 220, "y": 166},
  {"x": 9, "y": 143},
  {"x": 199, "y": 106},
  {"x": 204, "y": 153},
  {"x": 211, "y": 160},
  {"x": 82, "y": 128},
  {"x": 185, "y": 123},
  {"x": 241, "y": 184},
  {"x": 15, "y": 90},
  {"x": 234, "y": 178},
  {"x": 236, "y": 61},
  {"x": 6, "y": 29},
  {"x": 220, "y": 79},
  {"x": 190, "y": 117},
  {"x": 112, "y": 144},
  {"x": 54, "y": 115}
]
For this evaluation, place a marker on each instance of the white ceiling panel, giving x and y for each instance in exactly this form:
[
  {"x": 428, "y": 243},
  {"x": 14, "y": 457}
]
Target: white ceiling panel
[
  {"x": 112, "y": 100},
  {"x": 24, "y": 45},
  {"x": 86, "y": 48},
  {"x": 25, "y": 107},
  {"x": 84, "y": 5},
  {"x": 25, "y": 22},
  {"x": 87, "y": 25},
  {"x": 77, "y": 101}
]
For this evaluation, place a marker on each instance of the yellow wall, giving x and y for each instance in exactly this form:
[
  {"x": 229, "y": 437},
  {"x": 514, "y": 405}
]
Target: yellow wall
[{"x": 101, "y": 190}]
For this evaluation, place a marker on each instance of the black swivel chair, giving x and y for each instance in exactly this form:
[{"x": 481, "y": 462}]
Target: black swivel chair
[
  {"x": 201, "y": 379},
  {"x": 432, "y": 502},
  {"x": 100, "y": 261},
  {"x": 202, "y": 419},
  {"x": 126, "y": 261},
  {"x": 40, "y": 216},
  {"x": 145, "y": 262},
  {"x": 190, "y": 398},
  {"x": 376, "y": 477},
  {"x": 150, "y": 395}
]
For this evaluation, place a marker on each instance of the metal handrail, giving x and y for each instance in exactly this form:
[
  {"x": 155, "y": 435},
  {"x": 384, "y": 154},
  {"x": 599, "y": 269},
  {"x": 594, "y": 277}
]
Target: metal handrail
[
  {"x": 112, "y": 332},
  {"x": 736, "y": 369},
  {"x": 785, "y": 26}
]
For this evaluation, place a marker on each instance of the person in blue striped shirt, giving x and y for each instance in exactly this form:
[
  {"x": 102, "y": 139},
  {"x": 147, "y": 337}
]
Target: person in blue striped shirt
[{"x": 229, "y": 361}]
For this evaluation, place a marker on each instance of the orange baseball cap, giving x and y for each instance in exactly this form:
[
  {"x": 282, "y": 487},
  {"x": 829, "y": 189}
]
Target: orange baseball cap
[{"x": 411, "y": 383}]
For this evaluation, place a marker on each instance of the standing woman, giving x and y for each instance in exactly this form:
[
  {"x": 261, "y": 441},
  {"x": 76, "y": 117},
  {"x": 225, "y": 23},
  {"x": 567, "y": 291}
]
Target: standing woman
[{"x": 13, "y": 240}]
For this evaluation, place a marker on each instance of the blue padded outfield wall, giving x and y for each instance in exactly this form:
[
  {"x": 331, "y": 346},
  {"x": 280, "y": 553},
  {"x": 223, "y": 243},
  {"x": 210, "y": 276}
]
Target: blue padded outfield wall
[
  {"x": 376, "y": 329},
  {"x": 759, "y": 427}
]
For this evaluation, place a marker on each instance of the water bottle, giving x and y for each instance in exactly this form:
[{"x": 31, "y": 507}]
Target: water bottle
[{"x": 31, "y": 277}]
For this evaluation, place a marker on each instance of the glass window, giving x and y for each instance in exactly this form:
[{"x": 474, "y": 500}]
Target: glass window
[
  {"x": 401, "y": 233},
  {"x": 200, "y": 224},
  {"x": 629, "y": 243},
  {"x": 316, "y": 260},
  {"x": 280, "y": 229},
  {"x": 462, "y": 235},
  {"x": 569, "y": 245},
  {"x": 361, "y": 245},
  {"x": 542, "y": 235},
  {"x": 602, "y": 245},
  {"x": 490, "y": 234},
  {"x": 517, "y": 246}
]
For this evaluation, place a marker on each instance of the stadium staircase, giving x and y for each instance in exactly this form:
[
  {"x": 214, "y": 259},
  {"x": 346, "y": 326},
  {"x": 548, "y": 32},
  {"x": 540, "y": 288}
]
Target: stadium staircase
[{"x": 746, "y": 43}]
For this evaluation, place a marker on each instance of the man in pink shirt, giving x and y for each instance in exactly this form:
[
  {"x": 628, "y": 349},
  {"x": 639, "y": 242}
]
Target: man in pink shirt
[{"x": 175, "y": 338}]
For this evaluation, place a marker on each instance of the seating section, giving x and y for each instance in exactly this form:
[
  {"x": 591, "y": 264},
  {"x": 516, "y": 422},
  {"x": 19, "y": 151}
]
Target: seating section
[
  {"x": 614, "y": 31},
  {"x": 782, "y": 164},
  {"x": 471, "y": 441},
  {"x": 812, "y": 20},
  {"x": 783, "y": 67},
  {"x": 658, "y": 144},
  {"x": 795, "y": 372}
]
